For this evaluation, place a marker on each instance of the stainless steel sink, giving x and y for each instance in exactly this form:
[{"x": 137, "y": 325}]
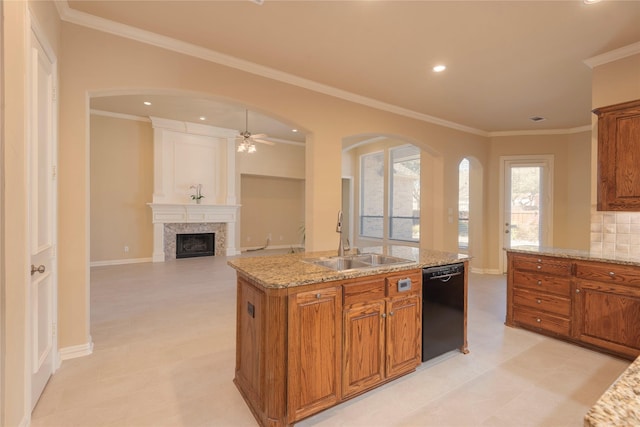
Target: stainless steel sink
[{"x": 356, "y": 262}]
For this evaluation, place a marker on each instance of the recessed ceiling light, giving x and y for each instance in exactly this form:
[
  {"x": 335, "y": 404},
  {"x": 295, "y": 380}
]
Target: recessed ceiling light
[
  {"x": 590, "y": 1},
  {"x": 294, "y": 130},
  {"x": 439, "y": 68},
  {"x": 203, "y": 118},
  {"x": 146, "y": 103}
]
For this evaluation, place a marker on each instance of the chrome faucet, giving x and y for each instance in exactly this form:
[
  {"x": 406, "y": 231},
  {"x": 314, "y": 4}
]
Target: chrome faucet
[{"x": 341, "y": 244}]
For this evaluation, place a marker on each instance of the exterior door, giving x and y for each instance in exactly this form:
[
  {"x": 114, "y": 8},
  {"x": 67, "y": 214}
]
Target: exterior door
[
  {"x": 42, "y": 214},
  {"x": 527, "y": 202}
]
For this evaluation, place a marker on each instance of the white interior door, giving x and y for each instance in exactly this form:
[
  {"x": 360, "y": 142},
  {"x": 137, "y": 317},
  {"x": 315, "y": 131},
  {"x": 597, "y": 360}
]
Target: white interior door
[
  {"x": 527, "y": 202},
  {"x": 42, "y": 215}
]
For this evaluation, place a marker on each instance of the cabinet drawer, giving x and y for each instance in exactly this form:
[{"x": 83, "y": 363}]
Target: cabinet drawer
[
  {"x": 544, "y": 321},
  {"x": 611, "y": 273},
  {"x": 541, "y": 264},
  {"x": 415, "y": 286},
  {"x": 542, "y": 301},
  {"x": 363, "y": 291},
  {"x": 542, "y": 282}
]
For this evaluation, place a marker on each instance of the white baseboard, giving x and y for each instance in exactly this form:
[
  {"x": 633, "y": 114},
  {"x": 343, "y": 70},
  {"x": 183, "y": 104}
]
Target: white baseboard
[
  {"x": 119, "y": 262},
  {"x": 74, "y": 351},
  {"x": 296, "y": 246}
]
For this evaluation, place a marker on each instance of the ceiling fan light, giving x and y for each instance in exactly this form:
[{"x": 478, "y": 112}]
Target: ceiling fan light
[
  {"x": 252, "y": 148},
  {"x": 241, "y": 148}
]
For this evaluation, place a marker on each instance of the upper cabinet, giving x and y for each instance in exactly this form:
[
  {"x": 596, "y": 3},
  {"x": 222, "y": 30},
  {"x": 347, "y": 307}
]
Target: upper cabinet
[{"x": 619, "y": 157}]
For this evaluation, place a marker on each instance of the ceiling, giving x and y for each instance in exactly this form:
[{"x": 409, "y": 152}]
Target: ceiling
[{"x": 506, "y": 60}]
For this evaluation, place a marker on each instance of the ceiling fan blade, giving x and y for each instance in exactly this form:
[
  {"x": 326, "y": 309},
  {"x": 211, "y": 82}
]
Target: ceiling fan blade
[
  {"x": 263, "y": 141},
  {"x": 258, "y": 135}
]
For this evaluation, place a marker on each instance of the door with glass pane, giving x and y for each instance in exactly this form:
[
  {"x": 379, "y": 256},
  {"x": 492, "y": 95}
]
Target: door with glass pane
[{"x": 526, "y": 219}]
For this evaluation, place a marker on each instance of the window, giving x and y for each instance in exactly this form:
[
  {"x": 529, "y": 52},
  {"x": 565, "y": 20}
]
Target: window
[
  {"x": 404, "y": 221},
  {"x": 390, "y": 209},
  {"x": 463, "y": 205},
  {"x": 372, "y": 195}
]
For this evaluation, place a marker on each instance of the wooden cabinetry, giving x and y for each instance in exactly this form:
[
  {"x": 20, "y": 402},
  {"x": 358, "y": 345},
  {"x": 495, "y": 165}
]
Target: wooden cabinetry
[
  {"x": 591, "y": 303},
  {"x": 303, "y": 349},
  {"x": 382, "y": 328},
  {"x": 539, "y": 295},
  {"x": 608, "y": 300},
  {"x": 314, "y": 351},
  {"x": 618, "y": 156}
]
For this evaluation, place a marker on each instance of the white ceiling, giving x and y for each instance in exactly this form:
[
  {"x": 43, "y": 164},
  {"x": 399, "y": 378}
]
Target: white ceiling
[{"x": 507, "y": 60}]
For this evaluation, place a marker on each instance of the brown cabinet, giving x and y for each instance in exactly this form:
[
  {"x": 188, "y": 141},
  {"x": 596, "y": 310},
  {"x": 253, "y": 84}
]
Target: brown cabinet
[
  {"x": 618, "y": 157},
  {"x": 539, "y": 294},
  {"x": 591, "y": 303},
  {"x": 608, "y": 300},
  {"x": 382, "y": 331},
  {"x": 314, "y": 351},
  {"x": 303, "y": 349}
]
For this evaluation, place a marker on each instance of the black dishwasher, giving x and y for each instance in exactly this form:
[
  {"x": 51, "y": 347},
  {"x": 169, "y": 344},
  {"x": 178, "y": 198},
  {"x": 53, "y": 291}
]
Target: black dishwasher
[{"x": 442, "y": 310}]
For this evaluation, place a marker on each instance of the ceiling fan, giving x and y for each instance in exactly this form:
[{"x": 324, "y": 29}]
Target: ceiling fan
[{"x": 247, "y": 139}]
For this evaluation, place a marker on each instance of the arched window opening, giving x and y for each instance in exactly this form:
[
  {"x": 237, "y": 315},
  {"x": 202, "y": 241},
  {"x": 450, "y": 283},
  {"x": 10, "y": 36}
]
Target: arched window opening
[{"x": 463, "y": 205}]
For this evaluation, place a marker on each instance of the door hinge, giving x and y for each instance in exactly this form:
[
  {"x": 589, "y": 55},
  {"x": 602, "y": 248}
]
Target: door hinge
[
  {"x": 54, "y": 94},
  {"x": 54, "y": 329},
  {"x": 54, "y": 172}
]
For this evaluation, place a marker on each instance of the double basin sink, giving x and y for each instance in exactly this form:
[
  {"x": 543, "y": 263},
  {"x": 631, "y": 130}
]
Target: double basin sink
[{"x": 357, "y": 262}]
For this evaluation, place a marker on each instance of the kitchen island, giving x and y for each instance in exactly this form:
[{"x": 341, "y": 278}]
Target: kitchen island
[{"x": 309, "y": 337}]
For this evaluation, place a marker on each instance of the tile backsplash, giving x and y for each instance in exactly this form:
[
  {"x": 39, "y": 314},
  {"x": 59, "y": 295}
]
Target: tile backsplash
[{"x": 615, "y": 234}]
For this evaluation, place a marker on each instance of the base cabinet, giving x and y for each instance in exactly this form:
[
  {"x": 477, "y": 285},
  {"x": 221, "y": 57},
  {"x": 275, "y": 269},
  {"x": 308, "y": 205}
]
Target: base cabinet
[
  {"x": 591, "y": 303},
  {"x": 302, "y": 350}
]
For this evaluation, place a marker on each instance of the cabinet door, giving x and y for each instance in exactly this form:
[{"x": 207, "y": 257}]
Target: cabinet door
[
  {"x": 404, "y": 334},
  {"x": 608, "y": 316},
  {"x": 315, "y": 333},
  {"x": 618, "y": 154},
  {"x": 363, "y": 358}
]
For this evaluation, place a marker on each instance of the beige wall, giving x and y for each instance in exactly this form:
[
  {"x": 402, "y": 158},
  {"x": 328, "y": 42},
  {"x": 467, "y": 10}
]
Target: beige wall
[
  {"x": 121, "y": 186},
  {"x": 271, "y": 206},
  {"x": 570, "y": 187},
  {"x": 15, "y": 263}
]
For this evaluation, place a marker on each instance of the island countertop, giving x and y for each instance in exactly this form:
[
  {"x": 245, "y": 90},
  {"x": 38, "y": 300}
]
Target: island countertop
[{"x": 290, "y": 270}]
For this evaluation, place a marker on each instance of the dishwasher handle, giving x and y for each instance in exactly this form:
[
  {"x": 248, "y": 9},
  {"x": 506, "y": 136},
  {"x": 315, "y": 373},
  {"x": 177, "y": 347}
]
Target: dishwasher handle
[{"x": 445, "y": 277}]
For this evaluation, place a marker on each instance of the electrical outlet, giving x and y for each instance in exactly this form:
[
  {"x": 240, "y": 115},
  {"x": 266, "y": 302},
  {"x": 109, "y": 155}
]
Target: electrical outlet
[{"x": 126, "y": 249}]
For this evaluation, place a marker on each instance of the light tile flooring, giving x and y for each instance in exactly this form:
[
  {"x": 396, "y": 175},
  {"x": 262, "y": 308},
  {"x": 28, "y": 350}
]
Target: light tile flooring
[{"x": 164, "y": 339}]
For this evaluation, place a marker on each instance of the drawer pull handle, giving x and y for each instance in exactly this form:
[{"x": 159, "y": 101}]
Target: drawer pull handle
[
  {"x": 611, "y": 273},
  {"x": 539, "y": 301},
  {"x": 539, "y": 282},
  {"x": 577, "y": 291},
  {"x": 539, "y": 267},
  {"x": 538, "y": 320},
  {"x": 318, "y": 296}
]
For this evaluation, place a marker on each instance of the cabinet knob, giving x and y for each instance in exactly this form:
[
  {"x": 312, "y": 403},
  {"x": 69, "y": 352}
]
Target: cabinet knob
[
  {"x": 538, "y": 320},
  {"x": 538, "y": 301},
  {"x": 391, "y": 313},
  {"x": 318, "y": 296},
  {"x": 384, "y": 315},
  {"x": 539, "y": 282},
  {"x": 611, "y": 273},
  {"x": 577, "y": 291},
  {"x": 539, "y": 260},
  {"x": 539, "y": 267}
]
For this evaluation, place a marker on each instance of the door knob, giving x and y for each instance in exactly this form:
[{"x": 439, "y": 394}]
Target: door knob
[{"x": 39, "y": 269}]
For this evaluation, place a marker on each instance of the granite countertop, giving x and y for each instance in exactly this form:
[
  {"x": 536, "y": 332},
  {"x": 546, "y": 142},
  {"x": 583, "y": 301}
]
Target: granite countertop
[
  {"x": 620, "y": 404},
  {"x": 576, "y": 254},
  {"x": 290, "y": 270}
]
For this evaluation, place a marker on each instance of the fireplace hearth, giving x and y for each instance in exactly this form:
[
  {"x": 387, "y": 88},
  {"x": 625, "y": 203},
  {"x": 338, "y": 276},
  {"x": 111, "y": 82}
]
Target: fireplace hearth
[{"x": 190, "y": 245}]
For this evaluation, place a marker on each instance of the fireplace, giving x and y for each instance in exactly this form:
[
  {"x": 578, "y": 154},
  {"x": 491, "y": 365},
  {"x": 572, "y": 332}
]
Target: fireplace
[{"x": 195, "y": 244}]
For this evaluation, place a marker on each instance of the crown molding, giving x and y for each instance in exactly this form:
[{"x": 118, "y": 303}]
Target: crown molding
[
  {"x": 586, "y": 128},
  {"x": 100, "y": 24},
  {"x": 120, "y": 116},
  {"x": 613, "y": 55}
]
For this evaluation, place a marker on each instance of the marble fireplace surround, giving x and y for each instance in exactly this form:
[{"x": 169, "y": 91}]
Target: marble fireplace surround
[{"x": 172, "y": 219}]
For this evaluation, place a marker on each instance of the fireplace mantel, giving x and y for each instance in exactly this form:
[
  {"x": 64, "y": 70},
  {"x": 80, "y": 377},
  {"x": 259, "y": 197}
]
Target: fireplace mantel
[{"x": 177, "y": 213}]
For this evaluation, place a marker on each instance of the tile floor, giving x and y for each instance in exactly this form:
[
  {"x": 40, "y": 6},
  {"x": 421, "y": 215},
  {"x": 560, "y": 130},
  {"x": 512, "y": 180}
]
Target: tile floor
[{"x": 164, "y": 338}]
